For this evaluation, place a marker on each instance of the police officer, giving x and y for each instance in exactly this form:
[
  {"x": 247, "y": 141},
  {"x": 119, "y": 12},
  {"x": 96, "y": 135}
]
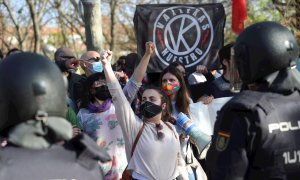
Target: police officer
[
  {"x": 256, "y": 135},
  {"x": 32, "y": 110}
]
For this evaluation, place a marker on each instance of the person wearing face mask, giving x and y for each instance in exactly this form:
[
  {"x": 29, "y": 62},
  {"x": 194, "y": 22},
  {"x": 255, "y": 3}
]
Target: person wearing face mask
[
  {"x": 148, "y": 140},
  {"x": 33, "y": 111},
  {"x": 174, "y": 86},
  {"x": 90, "y": 64},
  {"x": 98, "y": 119},
  {"x": 97, "y": 114}
]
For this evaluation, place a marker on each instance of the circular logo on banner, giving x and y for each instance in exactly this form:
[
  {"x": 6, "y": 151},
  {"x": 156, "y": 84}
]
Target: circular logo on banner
[{"x": 182, "y": 34}]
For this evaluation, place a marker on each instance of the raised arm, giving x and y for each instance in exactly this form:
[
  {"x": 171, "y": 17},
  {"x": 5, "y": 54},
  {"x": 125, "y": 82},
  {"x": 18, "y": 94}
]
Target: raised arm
[
  {"x": 126, "y": 117},
  {"x": 108, "y": 71},
  {"x": 132, "y": 86},
  {"x": 140, "y": 70}
]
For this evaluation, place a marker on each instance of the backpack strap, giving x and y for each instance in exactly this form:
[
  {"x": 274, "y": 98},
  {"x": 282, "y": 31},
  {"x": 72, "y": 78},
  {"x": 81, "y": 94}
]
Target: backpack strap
[{"x": 137, "y": 138}]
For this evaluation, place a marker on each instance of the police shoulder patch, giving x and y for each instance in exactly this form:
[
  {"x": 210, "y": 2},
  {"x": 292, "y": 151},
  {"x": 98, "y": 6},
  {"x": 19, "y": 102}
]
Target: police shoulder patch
[{"x": 222, "y": 141}]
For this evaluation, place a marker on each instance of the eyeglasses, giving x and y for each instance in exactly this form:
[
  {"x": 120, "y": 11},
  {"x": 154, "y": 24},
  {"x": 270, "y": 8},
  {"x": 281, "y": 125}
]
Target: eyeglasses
[
  {"x": 94, "y": 59},
  {"x": 68, "y": 57},
  {"x": 160, "y": 134}
]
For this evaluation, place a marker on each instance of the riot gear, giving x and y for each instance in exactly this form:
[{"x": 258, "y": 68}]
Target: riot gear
[
  {"x": 262, "y": 49},
  {"x": 31, "y": 86},
  {"x": 32, "y": 108},
  {"x": 256, "y": 132}
]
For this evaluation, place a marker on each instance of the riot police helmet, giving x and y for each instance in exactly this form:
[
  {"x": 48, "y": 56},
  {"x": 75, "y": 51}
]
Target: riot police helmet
[
  {"x": 31, "y": 86},
  {"x": 262, "y": 49}
]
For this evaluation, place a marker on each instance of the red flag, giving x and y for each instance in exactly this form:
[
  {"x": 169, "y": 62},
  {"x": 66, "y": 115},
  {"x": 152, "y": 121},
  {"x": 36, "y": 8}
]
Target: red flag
[{"x": 239, "y": 15}]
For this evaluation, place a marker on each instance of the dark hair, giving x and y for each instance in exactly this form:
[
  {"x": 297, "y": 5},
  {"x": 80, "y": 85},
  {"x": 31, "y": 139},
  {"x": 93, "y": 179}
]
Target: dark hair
[
  {"x": 1, "y": 54},
  {"x": 121, "y": 60},
  {"x": 87, "y": 95},
  {"x": 225, "y": 53},
  {"x": 182, "y": 97},
  {"x": 120, "y": 63},
  {"x": 166, "y": 115},
  {"x": 177, "y": 63},
  {"x": 130, "y": 62}
]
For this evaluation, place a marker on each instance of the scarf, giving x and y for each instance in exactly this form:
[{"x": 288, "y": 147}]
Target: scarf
[{"x": 103, "y": 107}]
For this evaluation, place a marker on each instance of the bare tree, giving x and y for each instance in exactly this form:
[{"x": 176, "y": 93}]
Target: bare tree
[
  {"x": 113, "y": 8},
  {"x": 19, "y": 33},
  {"x": 93, "y": 24},
  {"x": 57, "y": 4},
  {"x": 120, "y": 34},
  {"x": 36, "y": 17}
]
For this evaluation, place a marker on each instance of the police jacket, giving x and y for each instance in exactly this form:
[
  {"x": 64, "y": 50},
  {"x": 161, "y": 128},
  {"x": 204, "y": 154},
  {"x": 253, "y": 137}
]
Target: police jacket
[
  {"x": 256, "y": 137},
  {"x": 77, "y": 159}
]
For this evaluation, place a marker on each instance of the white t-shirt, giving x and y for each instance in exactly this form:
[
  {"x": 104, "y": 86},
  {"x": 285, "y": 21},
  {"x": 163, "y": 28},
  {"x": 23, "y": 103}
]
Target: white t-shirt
[{"x": 152, "y": 158}]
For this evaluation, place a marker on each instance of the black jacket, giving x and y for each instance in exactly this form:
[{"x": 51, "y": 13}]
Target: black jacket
[{"x": 256, "y": 137}]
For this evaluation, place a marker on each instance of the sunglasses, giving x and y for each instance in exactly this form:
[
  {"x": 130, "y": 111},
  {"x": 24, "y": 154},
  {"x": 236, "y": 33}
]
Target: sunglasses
[
  {"x": 94, "y": 59},
  {"x": 68, "y": 57},
  {"x": 160, "y": 134}
]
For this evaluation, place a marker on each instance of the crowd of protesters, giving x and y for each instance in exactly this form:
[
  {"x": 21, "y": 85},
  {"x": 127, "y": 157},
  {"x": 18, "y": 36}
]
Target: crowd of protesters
[
  {"x": 98, "y": 114},
  {"x": 133, "y": 116}
]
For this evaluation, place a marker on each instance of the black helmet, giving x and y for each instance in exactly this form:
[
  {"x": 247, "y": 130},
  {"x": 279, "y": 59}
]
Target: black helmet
[
  {"x": 30, "y": 84},
  {"x": 262, "y": 49}
]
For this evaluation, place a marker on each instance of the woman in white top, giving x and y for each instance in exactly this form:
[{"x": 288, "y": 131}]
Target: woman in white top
[
  {"x": 174, "y": 86},
  {"x": 98, "y": 115},
  {"x": 157, "y": 152}
]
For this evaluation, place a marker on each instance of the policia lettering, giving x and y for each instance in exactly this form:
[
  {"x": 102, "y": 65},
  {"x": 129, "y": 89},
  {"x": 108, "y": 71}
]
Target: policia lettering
[
  {"x": 290, "y": 157},
  {"x": 284, "y": 126},
  {"x": 182, "y": 34}
]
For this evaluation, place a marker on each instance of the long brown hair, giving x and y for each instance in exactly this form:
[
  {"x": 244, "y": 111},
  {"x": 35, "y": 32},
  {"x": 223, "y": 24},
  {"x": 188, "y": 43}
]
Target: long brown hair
[
  {"x": 166, "y": 114},
  {"x": 182, "y": 97}
]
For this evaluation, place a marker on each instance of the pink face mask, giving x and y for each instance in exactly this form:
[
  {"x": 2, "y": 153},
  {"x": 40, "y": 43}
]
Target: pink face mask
[{"x": 170, "y": 88}]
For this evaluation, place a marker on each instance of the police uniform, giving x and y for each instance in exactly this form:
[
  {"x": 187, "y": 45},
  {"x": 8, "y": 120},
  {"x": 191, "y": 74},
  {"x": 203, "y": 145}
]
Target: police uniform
[
  {"x": 33, "y": 110},
  {"x": 256, "y": 138},
  {"x": 77, "y": 159},
  {"x": 256, "y": 133}
]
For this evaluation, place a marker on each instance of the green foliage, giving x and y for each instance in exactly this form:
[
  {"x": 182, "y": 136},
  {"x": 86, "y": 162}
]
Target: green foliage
[
  {"x": 257, "y": 11},
  {"x": 56, "y": 39},
  {"x": 262, "y": 10}
]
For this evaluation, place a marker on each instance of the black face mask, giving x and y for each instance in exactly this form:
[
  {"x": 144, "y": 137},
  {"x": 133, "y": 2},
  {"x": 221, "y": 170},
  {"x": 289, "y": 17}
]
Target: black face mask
[
  {"x": 102, "y": 93},
  {"x": 149, "y": 109}
]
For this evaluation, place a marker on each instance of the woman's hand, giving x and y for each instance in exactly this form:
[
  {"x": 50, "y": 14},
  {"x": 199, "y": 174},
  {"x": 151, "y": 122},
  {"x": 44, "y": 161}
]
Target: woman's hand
[
  {"x": 206, "y": 99},
  {"x": 149, "y": 48},
  {"x": 106, "y": 57}
]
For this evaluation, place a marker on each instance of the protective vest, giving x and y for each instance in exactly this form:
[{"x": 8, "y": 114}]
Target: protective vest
[
  {"x": 273, "y": 146},
  {"x": 77, "y": 159}
]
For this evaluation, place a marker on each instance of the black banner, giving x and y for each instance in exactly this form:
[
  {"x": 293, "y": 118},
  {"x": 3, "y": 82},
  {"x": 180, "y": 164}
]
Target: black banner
[{"x": 191, "y": 34}]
